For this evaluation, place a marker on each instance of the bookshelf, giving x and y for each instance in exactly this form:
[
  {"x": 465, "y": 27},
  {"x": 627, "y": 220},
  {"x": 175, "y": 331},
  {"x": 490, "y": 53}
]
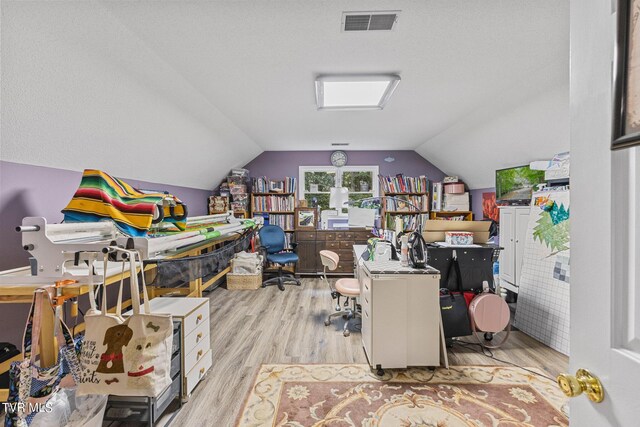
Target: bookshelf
[
  {"x": 414, "y": 190},
  {"x": 275, "y": 200}
]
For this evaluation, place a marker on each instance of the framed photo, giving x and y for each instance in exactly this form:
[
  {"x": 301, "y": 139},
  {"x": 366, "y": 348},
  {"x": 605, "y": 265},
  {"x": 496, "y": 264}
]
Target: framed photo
[
  {"x": 306, "y": 218},
  {"x": 489, "y": 207},
  {"x": 218, "y": 204},
  {"x": 626, "y": 101}
]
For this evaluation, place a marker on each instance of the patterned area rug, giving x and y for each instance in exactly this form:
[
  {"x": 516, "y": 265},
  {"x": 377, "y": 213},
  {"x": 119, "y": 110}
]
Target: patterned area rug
[{"x": 351, "y": 395}]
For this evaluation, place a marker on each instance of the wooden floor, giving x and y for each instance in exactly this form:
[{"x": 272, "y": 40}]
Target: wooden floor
[{"x": 249, "y": 328}]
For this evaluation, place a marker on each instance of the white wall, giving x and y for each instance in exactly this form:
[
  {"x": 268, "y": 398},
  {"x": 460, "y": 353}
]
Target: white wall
[
  {"x": 79, "y": 90},
  {"x": 515, "y": 133}
]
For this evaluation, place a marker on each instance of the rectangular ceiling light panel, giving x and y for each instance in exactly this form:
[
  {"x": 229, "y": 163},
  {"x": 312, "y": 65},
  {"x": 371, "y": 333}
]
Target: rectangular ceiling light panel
[{"x": 365, "y": 92}]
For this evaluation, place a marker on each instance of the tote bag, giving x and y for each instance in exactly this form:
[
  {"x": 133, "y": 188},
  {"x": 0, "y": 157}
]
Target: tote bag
[
  {"x": 32, "y": 385},
  {"x": 455, "y": 317},
  {"x": 126, "y": 357}
]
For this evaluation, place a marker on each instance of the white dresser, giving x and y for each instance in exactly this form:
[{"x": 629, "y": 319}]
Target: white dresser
[
  {"x": 401, "y": 322},
  {"x": 195, "y": 339}
]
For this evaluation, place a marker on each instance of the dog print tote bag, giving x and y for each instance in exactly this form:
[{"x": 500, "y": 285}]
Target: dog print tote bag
[{"x": 126, "y": 356}]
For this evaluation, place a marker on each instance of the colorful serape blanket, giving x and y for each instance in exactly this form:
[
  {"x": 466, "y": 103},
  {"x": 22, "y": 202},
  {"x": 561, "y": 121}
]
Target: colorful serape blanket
[{"x": 101, "y": 197}]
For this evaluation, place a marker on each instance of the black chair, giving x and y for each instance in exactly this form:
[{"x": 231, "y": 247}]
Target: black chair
[{"x": 272, "y": 241}]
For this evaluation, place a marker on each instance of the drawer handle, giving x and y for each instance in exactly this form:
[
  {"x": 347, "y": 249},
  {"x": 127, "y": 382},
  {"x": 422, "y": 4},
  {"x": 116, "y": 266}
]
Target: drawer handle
[
  {"x": 199, "y": 354},
  {"x": 199, "y": 318},
  {"x": 199, "y": 337},
  {"x": 201, "y": 371}
]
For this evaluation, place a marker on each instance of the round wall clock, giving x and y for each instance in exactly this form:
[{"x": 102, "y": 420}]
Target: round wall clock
[{"x": 338, "y": 158}]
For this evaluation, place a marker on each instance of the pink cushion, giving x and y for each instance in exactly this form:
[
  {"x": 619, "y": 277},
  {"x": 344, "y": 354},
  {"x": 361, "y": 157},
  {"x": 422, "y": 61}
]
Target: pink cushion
[
  {"x": 348, "y": 287},
  {"x": 489, "y": 313}
]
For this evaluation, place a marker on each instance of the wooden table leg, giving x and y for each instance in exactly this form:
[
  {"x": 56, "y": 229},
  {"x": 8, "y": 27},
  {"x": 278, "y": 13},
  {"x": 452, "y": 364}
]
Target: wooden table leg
[{"x": 48, "y": 346}]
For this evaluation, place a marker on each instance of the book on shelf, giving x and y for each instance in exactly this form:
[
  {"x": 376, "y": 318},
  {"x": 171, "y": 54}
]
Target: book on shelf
[
  {"x": 409, "y": 222},
  {"x": 274, "y": 203},
  {"x": 283, "y": 221},
  {"x": 407, "y": 203},
  {"x": 262, "y": 184},
  {"x": 288, "y": 238},
  {"x": 404, "y": 184}
]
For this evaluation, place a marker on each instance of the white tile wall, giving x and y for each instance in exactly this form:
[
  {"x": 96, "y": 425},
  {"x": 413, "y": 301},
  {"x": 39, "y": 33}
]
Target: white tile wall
[{"x": 543, "y": 301}]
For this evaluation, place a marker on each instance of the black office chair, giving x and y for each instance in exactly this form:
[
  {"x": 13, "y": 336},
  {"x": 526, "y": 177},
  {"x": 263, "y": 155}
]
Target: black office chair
[{"x": 272, "y": 241}]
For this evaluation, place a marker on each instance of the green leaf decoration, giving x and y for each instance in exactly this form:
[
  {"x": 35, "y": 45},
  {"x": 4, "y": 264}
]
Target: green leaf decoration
[
  {"x": 558, "y": 213},
  {"x": 554, "y": 236}
]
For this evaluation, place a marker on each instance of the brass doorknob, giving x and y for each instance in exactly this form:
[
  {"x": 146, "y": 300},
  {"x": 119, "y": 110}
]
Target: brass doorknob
[{"x": 583, "y": 382}]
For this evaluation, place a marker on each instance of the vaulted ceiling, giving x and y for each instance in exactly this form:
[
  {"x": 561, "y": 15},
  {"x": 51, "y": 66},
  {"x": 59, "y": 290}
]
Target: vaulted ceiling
[{"x": 149, "y": 88}]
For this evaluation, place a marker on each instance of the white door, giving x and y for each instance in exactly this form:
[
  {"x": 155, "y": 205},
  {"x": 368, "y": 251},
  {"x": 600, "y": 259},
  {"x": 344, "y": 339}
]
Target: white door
[
  {"x": 507, "y": 241},
  {"x": 605, "y": 230}
]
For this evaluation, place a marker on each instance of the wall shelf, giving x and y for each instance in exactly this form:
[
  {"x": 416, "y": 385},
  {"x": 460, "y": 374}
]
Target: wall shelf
[{"x": 468, "y": 215}]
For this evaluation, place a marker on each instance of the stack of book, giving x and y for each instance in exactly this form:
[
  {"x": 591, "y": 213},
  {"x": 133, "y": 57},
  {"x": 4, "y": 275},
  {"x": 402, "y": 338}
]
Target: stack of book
[
  {"x": 404, "y": 184},
  {"x": 263, "y": 185},
  {"x": 283, "y": 221},
  {"x": 260, "y": 184},
  {"x": 409, "y": 222},
  {"x": 273, "y": 203},
  {"x": 407, "y": 203}
]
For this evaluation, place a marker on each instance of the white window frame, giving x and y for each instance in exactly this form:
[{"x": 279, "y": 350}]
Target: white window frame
[{"x": 375, "y": 184}]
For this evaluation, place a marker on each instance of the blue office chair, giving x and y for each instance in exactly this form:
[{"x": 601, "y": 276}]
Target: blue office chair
[{"x": 272, "y": 241}]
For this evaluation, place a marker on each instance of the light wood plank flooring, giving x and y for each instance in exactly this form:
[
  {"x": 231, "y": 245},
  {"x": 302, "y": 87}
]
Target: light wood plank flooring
[{"x": 249, "y": 328}]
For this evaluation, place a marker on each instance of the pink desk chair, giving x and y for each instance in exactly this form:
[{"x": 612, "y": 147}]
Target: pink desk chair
[{"x": 345, "y": 287}]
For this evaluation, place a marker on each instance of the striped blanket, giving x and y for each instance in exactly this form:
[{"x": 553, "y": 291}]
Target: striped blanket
[{"x": 101, "y": 196}]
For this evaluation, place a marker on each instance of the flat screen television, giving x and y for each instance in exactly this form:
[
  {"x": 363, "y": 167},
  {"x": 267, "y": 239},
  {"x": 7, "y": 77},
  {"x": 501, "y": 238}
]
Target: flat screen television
[{"x": 515, "y": 185}]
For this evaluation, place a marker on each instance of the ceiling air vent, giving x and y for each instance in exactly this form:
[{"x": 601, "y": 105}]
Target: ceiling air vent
[{"x": 369, "y": 21}]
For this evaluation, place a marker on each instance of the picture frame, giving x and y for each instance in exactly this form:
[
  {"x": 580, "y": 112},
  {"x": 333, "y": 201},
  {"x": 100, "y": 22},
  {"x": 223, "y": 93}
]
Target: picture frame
[
  {"x": 218, "y": 204},
  {"x": 306, "y": 218},
  {"x": 626, "y": 96}
]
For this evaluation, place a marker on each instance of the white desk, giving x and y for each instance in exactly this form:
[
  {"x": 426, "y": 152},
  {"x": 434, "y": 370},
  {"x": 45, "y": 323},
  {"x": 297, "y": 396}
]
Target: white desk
[{"x": 401, "y": 322}]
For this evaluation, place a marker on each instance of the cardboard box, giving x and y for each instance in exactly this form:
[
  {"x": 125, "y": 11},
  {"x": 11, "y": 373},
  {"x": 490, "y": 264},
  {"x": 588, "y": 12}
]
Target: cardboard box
[
  {"x": 434, "y": 230},
  {"x": 456, "y": 202},
  {"x": 456, "y": 199}
]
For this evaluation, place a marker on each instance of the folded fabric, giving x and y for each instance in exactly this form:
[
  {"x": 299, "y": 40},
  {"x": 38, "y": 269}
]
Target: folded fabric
[
  {"x": 101, "y": 196},
  {"x": 247, "y": 263}
]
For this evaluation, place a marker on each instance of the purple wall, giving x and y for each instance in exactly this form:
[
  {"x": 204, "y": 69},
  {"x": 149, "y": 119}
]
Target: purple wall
[
  {"x": 27, "y": 190},
  {"x": 278, "y": 164},
  {"x": 476, "y": 201}
]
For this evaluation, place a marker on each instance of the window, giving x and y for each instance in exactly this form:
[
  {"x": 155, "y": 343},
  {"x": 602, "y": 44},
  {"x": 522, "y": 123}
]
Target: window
[{"x": 316, "y": 183}]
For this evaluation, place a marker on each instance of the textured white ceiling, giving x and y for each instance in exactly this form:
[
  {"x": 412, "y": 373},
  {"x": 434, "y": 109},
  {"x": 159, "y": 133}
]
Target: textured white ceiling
[{"x": 245, "y": 70}]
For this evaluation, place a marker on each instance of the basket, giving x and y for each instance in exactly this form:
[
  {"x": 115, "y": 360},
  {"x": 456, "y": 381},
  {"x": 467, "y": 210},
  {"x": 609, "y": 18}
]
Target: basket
[{"x": 244, "y": 281}]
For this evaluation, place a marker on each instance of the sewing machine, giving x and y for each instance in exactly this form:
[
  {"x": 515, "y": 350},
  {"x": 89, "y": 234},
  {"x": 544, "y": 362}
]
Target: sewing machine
[{"x": 63, "y": 251}]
